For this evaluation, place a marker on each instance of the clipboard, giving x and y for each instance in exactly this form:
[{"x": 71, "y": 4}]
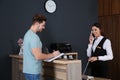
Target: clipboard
[{"x": 51, "y": 59}]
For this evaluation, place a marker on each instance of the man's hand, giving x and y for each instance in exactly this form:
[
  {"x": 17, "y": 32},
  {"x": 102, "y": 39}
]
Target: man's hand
[{"x": 55, "y": 53}]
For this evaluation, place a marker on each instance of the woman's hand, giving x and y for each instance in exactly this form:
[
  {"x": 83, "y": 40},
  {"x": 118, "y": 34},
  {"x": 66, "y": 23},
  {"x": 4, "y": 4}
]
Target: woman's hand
[
  {"x": 91, "y": 38},
  {"x": 92, "y": 59}
]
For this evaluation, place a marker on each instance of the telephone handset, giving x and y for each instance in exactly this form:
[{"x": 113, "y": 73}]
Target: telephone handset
[
  {"x": 91, "y": 34},
  {"x": 92, "y": 37}
]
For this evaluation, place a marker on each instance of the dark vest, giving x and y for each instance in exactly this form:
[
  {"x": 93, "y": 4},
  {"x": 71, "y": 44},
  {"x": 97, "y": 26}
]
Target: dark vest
[
  {"x": 99, "y": 51},
  {"x": 99, "y": 68}
]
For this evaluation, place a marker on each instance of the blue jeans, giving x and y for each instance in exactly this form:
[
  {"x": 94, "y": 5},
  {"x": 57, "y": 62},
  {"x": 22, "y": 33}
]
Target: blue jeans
[{"x": 32, "y": 76}]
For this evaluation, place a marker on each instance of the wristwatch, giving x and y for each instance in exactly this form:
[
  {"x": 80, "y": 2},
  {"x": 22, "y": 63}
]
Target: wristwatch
[{"x": 97, "y": 57}]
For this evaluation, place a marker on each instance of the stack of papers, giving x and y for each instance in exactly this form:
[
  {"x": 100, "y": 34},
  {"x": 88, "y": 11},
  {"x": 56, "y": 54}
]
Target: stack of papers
[{"x": 51, "y": 59}]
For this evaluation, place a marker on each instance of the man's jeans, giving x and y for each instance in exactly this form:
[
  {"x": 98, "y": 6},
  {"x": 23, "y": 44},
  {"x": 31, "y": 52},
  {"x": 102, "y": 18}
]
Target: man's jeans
[{"x": 32, "y": 76}]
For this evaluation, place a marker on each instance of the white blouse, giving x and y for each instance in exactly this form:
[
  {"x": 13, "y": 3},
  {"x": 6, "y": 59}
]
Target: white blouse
[{"x": 106, "y": 46}]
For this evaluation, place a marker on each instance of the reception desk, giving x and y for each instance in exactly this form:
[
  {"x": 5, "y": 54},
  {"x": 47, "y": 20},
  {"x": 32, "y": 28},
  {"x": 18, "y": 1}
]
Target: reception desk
[
  {"x": 17, "y": 62},
  {"x": 62, "y": 69},
  {"x": 57, "y": 70}
]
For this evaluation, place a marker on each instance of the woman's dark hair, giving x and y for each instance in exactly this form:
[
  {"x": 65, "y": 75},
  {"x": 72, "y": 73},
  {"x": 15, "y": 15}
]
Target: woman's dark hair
[
  {"x": 38, "y": 18},
  {"x": 98, "y": 25}
]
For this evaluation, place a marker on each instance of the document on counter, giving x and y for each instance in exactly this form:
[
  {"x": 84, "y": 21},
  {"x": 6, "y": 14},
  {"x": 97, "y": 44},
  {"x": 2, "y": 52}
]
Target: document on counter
[{"x": 51, "y": 59}]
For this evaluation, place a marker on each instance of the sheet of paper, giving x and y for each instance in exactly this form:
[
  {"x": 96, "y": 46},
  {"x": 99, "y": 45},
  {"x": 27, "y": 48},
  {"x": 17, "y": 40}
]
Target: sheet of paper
[{"x": 51, "y": 59}]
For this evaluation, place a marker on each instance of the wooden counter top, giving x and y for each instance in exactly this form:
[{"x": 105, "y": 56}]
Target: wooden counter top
[
  {"x": 16, "y": 56},
  {"x": 60, "y": 61},
  {"x": 96, "y": 78},
  {"x": 20, "y": 56}
]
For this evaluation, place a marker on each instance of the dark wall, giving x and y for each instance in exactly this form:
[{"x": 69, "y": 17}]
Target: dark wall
[{"x": 70, "y": 23}]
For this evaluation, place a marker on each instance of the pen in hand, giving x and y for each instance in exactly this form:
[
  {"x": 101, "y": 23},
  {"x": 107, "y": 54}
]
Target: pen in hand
[{"x": 56, "y": 53}]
